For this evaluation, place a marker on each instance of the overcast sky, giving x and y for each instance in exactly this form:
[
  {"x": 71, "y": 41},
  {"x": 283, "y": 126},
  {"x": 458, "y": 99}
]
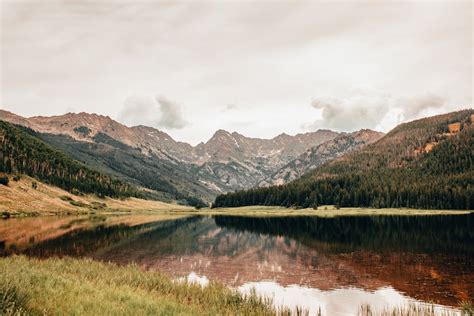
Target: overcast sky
[{"x": 259, "y": 68}]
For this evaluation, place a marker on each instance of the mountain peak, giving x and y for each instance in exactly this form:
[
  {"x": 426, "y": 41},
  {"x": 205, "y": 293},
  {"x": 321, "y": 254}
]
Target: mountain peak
[
  {"x": 220, "y": 134},
  {"x": 282, "y": 135}
]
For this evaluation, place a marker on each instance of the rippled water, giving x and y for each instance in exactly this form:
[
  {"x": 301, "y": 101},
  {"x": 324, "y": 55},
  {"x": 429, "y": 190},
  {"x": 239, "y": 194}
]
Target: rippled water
[{"x": 332, "y": 264}]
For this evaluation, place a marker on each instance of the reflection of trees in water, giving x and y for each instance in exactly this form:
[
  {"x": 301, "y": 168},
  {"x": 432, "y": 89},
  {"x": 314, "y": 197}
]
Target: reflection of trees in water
[
  {"x": 177, "y": 237},
  {"x": 83, "y": 241},
  {"x": 451, "y": 234},
  {"x": 198, "y": 236},
  {"x": 427, "y": 257}
]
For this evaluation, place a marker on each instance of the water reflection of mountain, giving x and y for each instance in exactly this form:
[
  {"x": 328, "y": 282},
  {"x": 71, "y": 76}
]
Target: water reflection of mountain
[
  {"x": 90, "y": 238},
  {"x": 429, "y": 258},
  {"x": 420, "y": 234},
  {"x": 190, "y": 237},
  {"x": 237, "y": 250}
]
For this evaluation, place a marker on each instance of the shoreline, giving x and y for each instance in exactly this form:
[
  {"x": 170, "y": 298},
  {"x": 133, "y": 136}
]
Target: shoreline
[{"x": 250, "y": 211}]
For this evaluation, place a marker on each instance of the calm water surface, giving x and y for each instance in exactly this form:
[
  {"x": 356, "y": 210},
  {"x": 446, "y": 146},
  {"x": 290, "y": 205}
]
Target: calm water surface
[{"x": 335, "y": 264}]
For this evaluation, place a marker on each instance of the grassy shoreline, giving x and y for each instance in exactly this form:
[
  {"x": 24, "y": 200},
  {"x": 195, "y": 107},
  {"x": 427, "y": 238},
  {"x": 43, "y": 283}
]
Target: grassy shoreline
[
  {"x": 19, "y": 199},
  {"x": 249, "y": 211},
  {"x": 323, "y": 211},
  {"x": 70, "y": 286}
]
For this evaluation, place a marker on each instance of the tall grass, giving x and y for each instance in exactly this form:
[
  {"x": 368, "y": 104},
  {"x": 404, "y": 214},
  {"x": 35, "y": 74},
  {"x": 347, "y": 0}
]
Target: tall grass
[
  {"x": 85, "y": 287},
  {"x": 416, "y": 310},
  {"x": 467, "y": 308},
  {"x": 11, "y": 301}
]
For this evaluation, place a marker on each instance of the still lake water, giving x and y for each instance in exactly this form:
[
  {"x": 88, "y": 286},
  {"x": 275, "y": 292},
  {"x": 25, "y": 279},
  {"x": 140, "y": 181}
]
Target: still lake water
[{"x": 335, "y": 264}]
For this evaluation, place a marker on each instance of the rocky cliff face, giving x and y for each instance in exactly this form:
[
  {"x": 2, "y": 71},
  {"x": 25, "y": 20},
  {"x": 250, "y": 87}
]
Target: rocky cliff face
[
  {"x": 239, "y": 162},
  {"x": 320, "y": 154},
  {"x": 226, "y": 162}
]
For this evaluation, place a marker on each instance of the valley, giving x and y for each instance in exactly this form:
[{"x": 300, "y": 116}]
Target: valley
[{"x": 234, "y": 158}]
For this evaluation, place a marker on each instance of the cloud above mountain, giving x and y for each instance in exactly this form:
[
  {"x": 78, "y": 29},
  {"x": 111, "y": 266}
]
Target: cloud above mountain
[
  {"x": 268, "y": 58},
  {"x": 171, "y": 115},
  {"x": 159, "y": 112},
  {"x": 371, "y": 108}
]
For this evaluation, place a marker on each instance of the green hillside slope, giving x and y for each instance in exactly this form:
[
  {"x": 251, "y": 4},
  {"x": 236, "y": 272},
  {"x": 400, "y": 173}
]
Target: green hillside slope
[
  {"x": 422, "y": 164},
  {"x": 23, "y": 153},
  {"x": 167, "y": 180}
]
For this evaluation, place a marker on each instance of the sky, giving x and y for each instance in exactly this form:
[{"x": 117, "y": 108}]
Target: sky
[{"x": 259, "y": 68}]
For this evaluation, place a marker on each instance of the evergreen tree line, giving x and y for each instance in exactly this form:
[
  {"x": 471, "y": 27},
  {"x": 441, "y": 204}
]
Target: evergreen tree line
[
  {"x": 432, "y": 234},
  {"x": 385, "y": 175},
  {"x": 25, "y": 154}
]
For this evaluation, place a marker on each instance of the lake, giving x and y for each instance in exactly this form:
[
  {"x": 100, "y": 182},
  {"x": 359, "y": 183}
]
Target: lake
[{"x": 333, "y": 264}]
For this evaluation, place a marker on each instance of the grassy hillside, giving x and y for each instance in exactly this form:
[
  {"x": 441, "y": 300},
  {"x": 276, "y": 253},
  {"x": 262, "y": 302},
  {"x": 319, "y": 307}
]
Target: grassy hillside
[
  {"x": 19, "y": 198},
  {"x": 422, "y": 164}
]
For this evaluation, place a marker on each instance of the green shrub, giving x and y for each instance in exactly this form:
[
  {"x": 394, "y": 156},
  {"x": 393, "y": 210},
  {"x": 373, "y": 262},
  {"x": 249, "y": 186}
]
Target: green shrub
[
  {"x": 78, "y": 203},
  {"x": 4, "y": 180},
  {"x": 98, "y": 205}
]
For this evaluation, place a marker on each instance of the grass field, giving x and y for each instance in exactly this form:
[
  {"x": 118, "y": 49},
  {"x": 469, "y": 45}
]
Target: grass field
[{"x": 323, "y": 211}]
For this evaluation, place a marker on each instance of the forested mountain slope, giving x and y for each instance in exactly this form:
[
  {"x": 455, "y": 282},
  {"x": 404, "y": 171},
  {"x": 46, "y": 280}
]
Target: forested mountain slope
[
  {"x": 167, "y": 180},
  {"x": 426, "y": 163},
  {"x": 23, "y": 153}
]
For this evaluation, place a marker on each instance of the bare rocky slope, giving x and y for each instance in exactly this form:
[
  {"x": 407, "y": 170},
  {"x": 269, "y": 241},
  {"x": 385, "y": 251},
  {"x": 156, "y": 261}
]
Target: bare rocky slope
[{"x": 318, "y": 155}]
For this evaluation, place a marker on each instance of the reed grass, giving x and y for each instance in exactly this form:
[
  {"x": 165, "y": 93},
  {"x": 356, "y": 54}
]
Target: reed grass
[
  {"x": 416, "y": 310},
  {"x": 84, "y": 287}
]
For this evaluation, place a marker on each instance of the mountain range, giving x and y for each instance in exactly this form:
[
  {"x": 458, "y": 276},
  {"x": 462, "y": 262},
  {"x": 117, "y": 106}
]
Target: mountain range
[
  {"x": 426, "y": 163},
  {"x": 168, "y": 169}
]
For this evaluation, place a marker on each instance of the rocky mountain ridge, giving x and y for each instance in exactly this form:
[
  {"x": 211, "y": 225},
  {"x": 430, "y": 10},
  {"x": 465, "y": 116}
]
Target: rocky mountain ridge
[
  {"x": 226, "y": 162},
  {"x": 318, "y": 155}
]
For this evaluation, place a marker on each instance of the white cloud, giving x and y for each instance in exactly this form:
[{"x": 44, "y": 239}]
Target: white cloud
[
  {"x": 139, "y": 110},
  {"x": 171, "y": 115},
  {"x": 158, "y": 112},
  {"x": 375, "y": 109},
  {"x": 415, "y": 107}
]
